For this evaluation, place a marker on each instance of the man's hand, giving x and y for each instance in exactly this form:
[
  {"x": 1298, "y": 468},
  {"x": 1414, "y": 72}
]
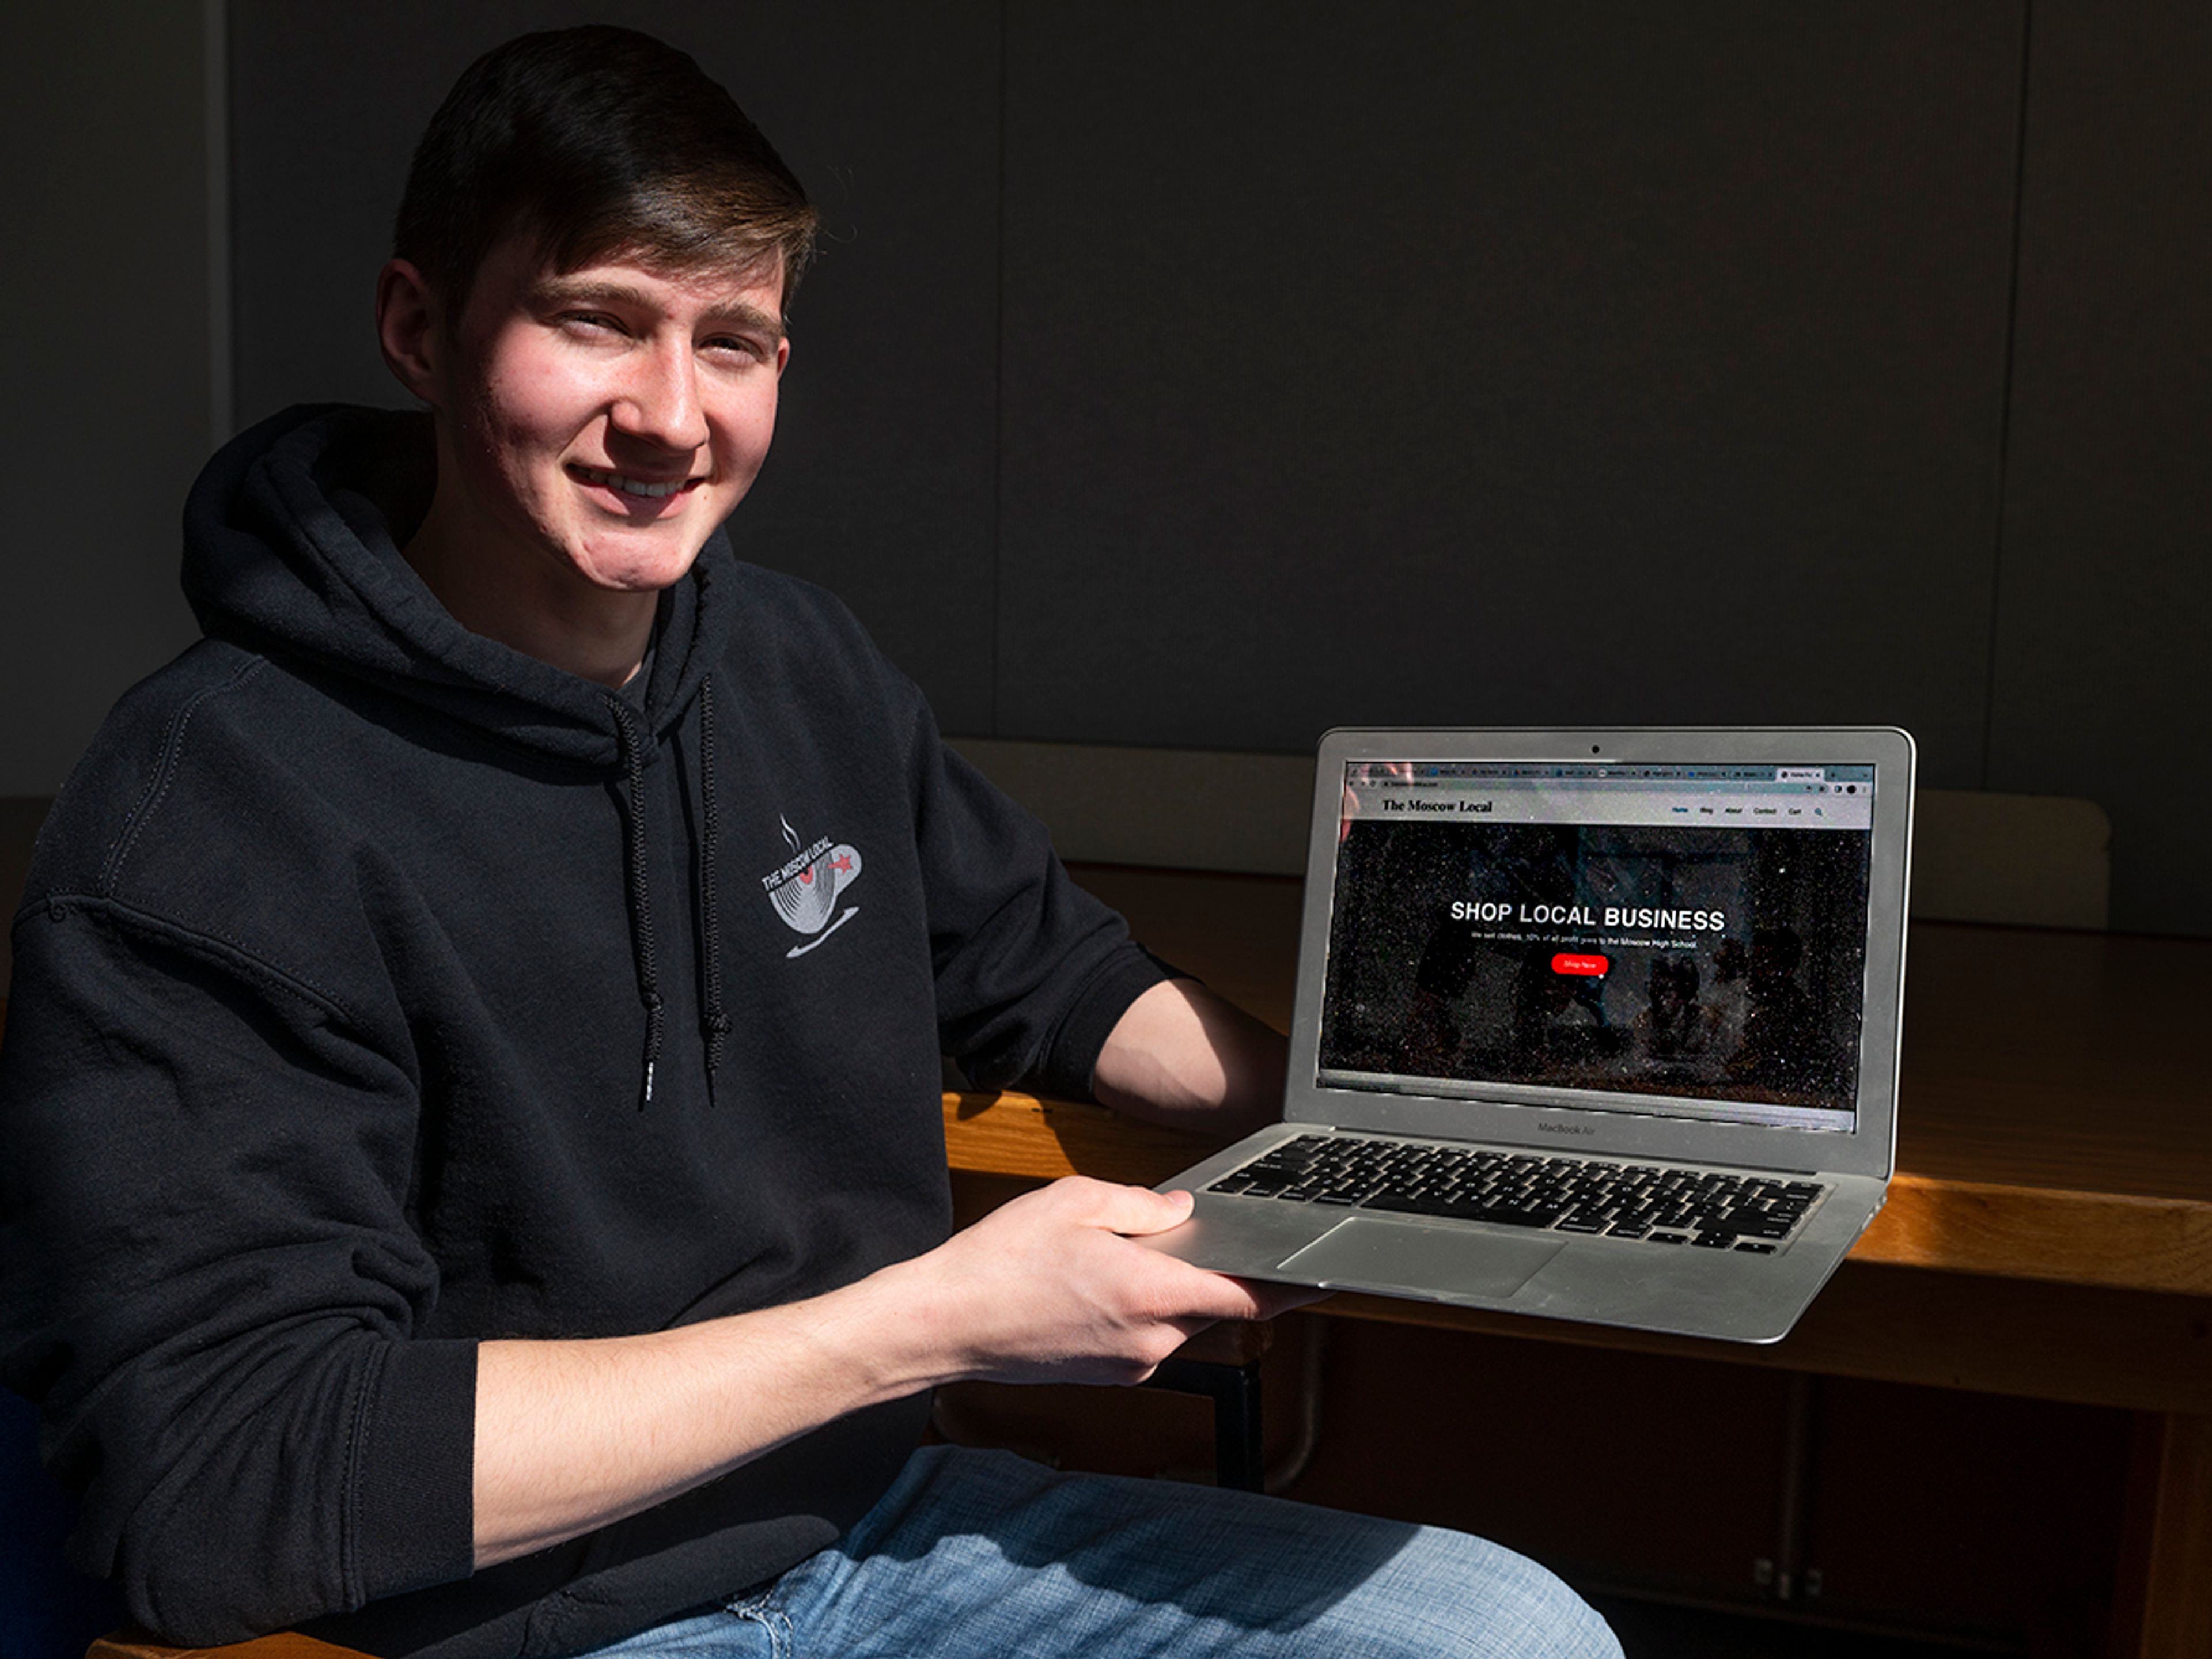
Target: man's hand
[{"x": 1051, "y": 1289}]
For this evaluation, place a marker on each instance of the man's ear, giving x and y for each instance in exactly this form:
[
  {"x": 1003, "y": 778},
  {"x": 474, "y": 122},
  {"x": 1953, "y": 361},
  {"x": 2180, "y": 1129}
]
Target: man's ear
[{"x": 407, "y": 328}]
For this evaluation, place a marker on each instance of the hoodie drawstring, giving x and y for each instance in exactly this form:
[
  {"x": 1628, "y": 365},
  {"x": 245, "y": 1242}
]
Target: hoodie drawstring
[
  {"x": 640, "y": 899},
  {"x": 713, "y": 1020}
]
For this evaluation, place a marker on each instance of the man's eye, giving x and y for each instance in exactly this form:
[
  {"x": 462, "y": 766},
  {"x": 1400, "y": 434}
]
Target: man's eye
[{"x": 738, "y": 345}]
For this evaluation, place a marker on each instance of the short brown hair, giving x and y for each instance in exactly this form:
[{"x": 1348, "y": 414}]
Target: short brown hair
[{"x": 600, "y": 142}]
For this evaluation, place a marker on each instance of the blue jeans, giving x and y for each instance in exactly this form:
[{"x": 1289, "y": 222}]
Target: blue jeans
[{"x": 983, "y": 1555}]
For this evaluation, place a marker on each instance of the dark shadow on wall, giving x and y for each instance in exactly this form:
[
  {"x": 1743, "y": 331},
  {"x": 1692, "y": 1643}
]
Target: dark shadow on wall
[{"x": 20, "y": 819}]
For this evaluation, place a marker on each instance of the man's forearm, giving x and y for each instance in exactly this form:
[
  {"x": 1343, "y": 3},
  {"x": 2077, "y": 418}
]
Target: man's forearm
[
  {"x": 573, "y": 1435},
  {"x": 1183, "y": 1055}
]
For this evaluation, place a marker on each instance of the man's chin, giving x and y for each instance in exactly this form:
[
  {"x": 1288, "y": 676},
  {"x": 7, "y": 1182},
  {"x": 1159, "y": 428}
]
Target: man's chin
[{"x": 640, "y": 570}]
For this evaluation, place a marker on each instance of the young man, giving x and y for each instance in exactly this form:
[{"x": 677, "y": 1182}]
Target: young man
[{"x": 474, "y": 1183}]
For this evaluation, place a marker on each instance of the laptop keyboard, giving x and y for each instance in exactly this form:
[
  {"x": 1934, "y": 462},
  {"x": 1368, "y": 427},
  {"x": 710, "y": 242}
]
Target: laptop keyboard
[{"x": 1652, "y": 1202}]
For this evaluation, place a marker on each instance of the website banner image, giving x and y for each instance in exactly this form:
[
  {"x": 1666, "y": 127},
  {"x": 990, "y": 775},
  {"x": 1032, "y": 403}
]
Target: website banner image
[{"x": 1714, "y": 957}]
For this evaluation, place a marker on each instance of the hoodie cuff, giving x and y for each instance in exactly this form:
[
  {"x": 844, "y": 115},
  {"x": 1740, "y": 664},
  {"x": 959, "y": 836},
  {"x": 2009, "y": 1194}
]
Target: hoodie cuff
[
  {"x": 1070, "y": 1061},
  {"x": 414, "y": 1509}
]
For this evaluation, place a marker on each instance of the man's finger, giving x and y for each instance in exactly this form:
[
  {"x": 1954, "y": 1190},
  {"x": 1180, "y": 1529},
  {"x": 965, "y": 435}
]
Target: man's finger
[
  {"x": 1269, "y": 1299},
  {"x": 1137, "y": 1210},
  {"x": 1211, "y": 1295},
  {"x": 1201, "y": 1296}
]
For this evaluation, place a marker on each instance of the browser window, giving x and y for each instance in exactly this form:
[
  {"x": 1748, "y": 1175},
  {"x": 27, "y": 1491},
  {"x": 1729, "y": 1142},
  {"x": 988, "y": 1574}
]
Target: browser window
[{"x": 1682, "y": 939}]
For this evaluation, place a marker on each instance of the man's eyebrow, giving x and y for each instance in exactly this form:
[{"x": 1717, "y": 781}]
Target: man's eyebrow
[
  {"x": 564, "y": 291},
  {"x": 741, "y": 315}
]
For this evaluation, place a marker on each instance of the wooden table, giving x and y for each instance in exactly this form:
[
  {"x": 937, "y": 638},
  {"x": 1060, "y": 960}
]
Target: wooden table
[{"x": 2049, "y": 1233}]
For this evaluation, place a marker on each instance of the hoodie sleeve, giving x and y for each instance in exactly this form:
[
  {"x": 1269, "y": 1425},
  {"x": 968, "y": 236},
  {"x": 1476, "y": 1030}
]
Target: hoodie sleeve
[
  {"x": 208, "y": 1277},
  {"x": 1032, "y": 972}
]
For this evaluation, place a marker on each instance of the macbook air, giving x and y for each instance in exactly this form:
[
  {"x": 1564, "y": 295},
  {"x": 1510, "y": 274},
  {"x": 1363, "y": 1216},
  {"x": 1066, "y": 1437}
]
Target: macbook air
[{"x": 1589, "y": 1025}]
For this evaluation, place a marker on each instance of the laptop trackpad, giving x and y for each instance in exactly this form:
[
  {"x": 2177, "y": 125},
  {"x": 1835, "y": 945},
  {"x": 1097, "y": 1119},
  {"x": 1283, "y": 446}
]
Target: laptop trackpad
[{"x": 1425, "y": 1261}]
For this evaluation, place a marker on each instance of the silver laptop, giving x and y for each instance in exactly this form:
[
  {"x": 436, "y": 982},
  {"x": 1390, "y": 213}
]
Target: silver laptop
[{"x": 1591, "y": 1025}]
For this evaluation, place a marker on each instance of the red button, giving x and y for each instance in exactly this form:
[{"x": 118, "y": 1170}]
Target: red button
[{"x": 1589, "y": 966}]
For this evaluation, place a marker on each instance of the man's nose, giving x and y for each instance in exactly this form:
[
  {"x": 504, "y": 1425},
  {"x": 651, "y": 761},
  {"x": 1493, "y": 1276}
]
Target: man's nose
[{"x": 659, "y": 402}]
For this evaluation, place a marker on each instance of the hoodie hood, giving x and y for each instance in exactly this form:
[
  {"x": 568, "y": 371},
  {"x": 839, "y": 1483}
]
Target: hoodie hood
[
  {"x": 292, "y": 539},
  {"x": 331, "y": 493}
]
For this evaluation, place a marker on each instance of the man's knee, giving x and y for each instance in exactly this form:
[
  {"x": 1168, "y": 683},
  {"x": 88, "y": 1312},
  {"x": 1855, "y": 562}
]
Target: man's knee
[{"x": 1457, "y": 1595}]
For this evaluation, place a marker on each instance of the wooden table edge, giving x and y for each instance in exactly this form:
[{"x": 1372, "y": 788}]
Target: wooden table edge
[{"x": 2061, "y": 1236}]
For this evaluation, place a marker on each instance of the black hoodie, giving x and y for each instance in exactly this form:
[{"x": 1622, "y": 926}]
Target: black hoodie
[{"x": 379, "y": 990}]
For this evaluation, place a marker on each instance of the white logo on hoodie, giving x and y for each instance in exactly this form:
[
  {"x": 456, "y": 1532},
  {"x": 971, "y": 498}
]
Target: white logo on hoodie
[{"x": 806, "y": 890}]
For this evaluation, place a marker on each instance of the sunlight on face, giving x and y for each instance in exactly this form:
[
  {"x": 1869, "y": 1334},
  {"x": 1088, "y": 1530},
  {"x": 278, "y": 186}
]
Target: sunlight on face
[{"x": 606, "y": 420}]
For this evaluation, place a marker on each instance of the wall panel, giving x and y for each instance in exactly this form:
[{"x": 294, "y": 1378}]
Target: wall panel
[
  {"x": 1502, "y": 364},
  {"x": 2107, "y": 588},
  {"x": 103, "y": 277}
]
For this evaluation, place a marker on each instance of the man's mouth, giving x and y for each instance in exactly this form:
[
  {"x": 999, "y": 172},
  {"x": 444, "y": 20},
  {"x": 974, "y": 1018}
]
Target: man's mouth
[{"x": 650, "y": 488}]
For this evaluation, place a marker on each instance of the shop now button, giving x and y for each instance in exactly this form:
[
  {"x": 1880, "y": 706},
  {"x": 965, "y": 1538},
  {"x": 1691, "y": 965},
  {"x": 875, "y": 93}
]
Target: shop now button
[{"x": 1589, "y": 966}]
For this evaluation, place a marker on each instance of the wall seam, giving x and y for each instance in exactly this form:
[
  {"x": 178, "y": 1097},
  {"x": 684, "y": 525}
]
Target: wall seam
[
  {"x": 999, "y": 400},
  {"x": 214, "y": 50},
  {"x": 2005, "y": 399}
]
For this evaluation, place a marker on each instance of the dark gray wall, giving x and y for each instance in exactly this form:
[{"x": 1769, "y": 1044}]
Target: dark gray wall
[
  {"x": 105, "y": 419},
  {"x": 2104, "y": 591},
  {"x": 1211, "y": 373},
  {"x": 1587, "y": 363}
]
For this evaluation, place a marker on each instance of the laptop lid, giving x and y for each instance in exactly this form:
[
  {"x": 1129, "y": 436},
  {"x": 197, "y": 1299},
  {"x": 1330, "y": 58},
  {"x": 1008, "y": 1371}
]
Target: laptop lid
[{"x": 1676, "y": 943}]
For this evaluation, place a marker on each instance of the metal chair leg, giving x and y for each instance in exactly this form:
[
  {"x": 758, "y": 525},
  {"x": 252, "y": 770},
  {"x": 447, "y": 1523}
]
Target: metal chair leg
[{"x": 1238, "y": 1462}]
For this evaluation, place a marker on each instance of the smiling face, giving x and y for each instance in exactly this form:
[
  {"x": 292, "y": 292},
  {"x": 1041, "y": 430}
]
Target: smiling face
[
  {"x": 593, "y": 427},
  {"x": 609, "y": 418}
]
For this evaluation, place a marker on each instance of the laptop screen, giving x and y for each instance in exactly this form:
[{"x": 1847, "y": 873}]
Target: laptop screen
[{"x": 1680, "y": 941}]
